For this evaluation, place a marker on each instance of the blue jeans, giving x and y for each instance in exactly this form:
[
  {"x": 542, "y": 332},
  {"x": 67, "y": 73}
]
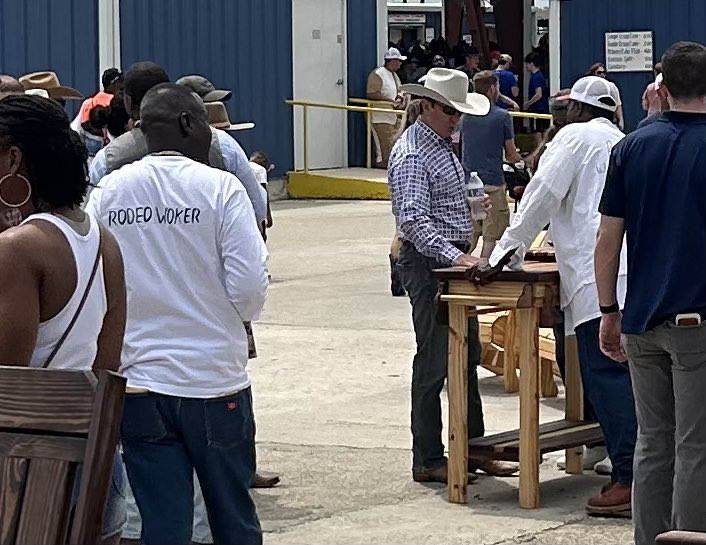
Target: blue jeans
[
  {"x": 607, "y": 385},
  {"x": 165, "y": 439}
]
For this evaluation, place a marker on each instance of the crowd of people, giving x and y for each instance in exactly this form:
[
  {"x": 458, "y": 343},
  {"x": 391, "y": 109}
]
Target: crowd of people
[
  {"x": 141, "y": 195},
  {"x": 628, "y": 226}
]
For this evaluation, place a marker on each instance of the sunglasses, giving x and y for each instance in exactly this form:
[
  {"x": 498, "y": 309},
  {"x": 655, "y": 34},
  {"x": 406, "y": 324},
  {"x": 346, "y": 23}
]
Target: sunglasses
[
  {"x": 600, "y": 73},
  {"x": 448, "y": 110}
]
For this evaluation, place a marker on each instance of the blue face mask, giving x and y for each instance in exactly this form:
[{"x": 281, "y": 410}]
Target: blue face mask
[{"x": 93, "y": 144}]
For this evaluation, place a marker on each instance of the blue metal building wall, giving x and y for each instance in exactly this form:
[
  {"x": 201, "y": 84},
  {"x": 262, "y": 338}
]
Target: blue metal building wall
[
  {"x": 585, "y": 22},
  {"x": 241, "y": 45},
  {"x": 434, "y": 21},
  {"x": 362, "y": 58},
  {"x": 57, "y": 35}
]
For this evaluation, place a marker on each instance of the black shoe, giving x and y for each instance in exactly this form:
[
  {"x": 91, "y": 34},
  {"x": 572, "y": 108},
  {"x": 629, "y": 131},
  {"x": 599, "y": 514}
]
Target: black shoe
[{"x": 395, "y": 283}]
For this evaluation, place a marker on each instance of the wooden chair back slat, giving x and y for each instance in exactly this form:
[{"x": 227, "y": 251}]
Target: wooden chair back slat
[
  {"x": 47, "y": 498},
  {"x": 50, "y": 400},
  {"x": 13, "y": 474}
]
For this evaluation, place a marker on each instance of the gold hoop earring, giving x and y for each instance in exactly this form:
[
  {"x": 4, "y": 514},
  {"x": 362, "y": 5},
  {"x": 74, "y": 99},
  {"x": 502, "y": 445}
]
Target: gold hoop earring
[{"x": 29, "y": 190}]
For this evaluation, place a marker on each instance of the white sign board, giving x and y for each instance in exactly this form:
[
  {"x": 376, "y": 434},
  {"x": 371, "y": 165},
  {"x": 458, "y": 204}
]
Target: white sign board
[
  {"x": 429, "y": 34},
  {"x": 629, "y": 51},
  {"x": 404, "y": 18}
]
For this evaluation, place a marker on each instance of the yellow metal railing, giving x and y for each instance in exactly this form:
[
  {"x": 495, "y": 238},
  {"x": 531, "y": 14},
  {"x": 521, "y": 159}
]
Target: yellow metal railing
[
  {"x": 369, "y": 109},
  {"x": 306, "y": 104}
]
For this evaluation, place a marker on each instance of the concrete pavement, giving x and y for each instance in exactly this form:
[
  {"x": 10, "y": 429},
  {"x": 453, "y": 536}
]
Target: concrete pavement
[{"x": 331, "y": 387}]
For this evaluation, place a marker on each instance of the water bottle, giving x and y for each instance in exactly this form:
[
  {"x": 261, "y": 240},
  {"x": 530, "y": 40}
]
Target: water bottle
[{"x": 476, "y": 194}]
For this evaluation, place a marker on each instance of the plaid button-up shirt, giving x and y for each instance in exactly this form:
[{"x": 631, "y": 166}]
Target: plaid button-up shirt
[{"x": 427, "y": 184}]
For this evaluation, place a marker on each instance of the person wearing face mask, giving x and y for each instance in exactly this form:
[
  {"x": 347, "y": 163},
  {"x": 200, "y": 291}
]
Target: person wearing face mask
[
  {"x": 433, "y": 219},
  {"x": 63, "y": 299}
]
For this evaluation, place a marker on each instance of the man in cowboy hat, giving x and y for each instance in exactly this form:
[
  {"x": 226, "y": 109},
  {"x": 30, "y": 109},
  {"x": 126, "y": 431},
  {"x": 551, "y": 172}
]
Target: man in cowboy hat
[
  {"x": 433, "y": 219},
  {"x": 49, "y": 82},
  {"x": 566, "y": 191}
]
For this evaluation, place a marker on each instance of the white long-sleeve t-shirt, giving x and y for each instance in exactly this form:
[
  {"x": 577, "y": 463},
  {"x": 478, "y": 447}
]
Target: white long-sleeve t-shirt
[
  {"x": 565, "y": 191},
  {"x": 195, "y": 268}
]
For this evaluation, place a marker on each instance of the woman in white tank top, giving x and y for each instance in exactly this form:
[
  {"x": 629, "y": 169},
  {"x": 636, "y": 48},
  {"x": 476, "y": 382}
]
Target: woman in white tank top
[{"x": 62, "y": 303}]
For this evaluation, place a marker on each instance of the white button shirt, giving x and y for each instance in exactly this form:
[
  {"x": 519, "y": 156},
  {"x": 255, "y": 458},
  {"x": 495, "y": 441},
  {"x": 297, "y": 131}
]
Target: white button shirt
[{"x": 565, "y": 191}]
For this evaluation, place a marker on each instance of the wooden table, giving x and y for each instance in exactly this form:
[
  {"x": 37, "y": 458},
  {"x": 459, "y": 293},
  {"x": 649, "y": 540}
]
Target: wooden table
[{"x": 531, "y": 294}]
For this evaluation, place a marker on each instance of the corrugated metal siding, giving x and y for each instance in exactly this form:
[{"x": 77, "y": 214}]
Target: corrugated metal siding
[
  {"x": 585, "y": 22},
  {"x": 56, "y": 35},
  {"x": 434, "y": 21},
  {"x": 238, "y": 45},
  {"x": 362, "y": 58}
]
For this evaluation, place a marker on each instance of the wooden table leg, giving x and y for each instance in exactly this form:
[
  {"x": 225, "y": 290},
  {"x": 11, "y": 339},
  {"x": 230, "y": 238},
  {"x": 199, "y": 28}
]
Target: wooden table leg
[
  {"x": 528, "y": 333},
  {"x": 458, "y": 403},
  {"x": 512, "y": 385},
  {"x": 548, "y": 384},
  {"x": 573, "y": 401}
]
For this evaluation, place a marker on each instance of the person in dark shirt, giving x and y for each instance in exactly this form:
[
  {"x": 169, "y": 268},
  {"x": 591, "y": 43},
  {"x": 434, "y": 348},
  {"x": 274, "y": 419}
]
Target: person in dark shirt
[
  {"x": 537, "y": 97},
  {"x": 508, "y": 82},
  {"x": 656, "y": 193}
]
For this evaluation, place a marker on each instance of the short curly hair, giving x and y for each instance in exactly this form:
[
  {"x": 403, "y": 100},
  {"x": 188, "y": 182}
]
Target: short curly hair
[{"x": 52, "y": 153}]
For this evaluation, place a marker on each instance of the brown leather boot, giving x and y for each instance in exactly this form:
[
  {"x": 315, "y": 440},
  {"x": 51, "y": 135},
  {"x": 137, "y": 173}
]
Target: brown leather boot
[
  {"x": 437, "y": 475},
  {"x": 493, "y": 468},
  {"x": 614, "y": 501},
  {"x": 264, "y": 479}
]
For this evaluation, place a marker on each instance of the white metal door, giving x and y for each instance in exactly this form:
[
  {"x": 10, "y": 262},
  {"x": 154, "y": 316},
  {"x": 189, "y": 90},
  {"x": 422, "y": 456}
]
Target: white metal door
[{"x": 319, "y": 51}]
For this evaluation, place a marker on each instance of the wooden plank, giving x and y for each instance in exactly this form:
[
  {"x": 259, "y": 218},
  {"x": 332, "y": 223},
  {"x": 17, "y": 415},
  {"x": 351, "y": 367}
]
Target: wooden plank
[
  {"x": 501, "y": 290},
  {"x": 46, "y": 399},
  {"x": 548, "y": 384},
  {"x": 20, "y": 445},
  {"x": 100, "y": 455},
  {"x": 527, "y": 331},
  {"x": 458, "y": 404},
  {"x": 45, "y": 509},
  {"x": 573, "y": 401},
  {"x": 512, "y": 384},
  {"x": 13, "y": 474},
  {"x": 472, "y": 300},
  {"x": 533, "y": 272},
  {"x": 514, "y": 435}
]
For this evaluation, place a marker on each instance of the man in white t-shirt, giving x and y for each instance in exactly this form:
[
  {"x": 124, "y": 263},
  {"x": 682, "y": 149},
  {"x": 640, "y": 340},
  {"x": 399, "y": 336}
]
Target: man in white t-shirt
[
  {"x": 196, "y": 271},
  {"x": 384, "y": 85}
]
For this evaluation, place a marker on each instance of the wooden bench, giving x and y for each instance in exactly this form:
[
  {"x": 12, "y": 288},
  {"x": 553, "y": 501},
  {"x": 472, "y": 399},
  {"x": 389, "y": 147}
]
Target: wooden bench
[{"x": 50, "y": 422}]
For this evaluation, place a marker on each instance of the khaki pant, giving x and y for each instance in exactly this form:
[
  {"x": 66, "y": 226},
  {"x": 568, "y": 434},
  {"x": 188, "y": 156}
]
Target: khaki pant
[
  {"x": 384, "y": 136},
  {"x": 492, "y": 227}
]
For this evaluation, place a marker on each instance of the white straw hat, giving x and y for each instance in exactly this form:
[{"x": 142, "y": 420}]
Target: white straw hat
[{"x": 450, "y": 87}]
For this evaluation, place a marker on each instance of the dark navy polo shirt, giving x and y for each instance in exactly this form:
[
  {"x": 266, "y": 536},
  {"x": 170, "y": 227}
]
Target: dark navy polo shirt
[{"x": 657, "y": 183}]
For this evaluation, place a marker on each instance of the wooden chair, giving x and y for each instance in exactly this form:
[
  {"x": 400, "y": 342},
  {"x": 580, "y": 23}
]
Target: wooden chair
[
  {"x": 681, "y": 538},
  {"x": 50, "y": 422}
]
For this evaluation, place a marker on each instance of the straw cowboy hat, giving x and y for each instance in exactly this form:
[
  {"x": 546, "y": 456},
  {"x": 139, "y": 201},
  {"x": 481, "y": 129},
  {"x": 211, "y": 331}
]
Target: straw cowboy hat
[
  {"x": 218, "y": 118},
  {"x": 449, "y": 87},
  {"x": 49, "y": 82}
]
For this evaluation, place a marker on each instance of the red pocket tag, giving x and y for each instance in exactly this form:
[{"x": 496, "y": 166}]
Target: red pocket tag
[{"x": 231, "y": 406}]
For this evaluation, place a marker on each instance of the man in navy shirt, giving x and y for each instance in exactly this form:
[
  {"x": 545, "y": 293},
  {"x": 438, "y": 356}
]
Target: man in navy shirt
[
  {"x": 508, "y": 82},
  {"x": 537, "y": 98},
  {"x": 656, "y": 193}
]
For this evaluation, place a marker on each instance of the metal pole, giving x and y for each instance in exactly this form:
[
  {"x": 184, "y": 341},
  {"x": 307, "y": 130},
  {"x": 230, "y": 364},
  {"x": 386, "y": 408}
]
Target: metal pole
[
  {"x": 368, "y": 140},
  {"x": 306, "y": 138}
]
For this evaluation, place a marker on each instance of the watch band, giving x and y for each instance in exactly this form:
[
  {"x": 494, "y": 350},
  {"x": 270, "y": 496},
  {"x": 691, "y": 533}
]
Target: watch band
[{"x": 610, "y": 309}]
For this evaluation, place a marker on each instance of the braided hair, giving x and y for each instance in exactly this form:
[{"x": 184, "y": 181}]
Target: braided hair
[{"x": 53, "y": 154}]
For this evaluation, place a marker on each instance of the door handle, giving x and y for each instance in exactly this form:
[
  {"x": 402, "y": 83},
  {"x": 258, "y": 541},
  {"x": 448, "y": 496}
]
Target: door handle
[{"x": 340, "y": 81}]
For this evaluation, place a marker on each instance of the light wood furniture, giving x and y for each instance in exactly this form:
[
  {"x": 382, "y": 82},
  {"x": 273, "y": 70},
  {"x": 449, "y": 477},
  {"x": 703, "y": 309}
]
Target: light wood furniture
[
  {"x": 531, "y": 294},
  {"x": 51, "y": 421}
]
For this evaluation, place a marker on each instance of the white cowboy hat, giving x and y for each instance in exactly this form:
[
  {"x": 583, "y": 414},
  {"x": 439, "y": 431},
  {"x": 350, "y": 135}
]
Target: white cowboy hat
[{"x": 450, "y": 87}]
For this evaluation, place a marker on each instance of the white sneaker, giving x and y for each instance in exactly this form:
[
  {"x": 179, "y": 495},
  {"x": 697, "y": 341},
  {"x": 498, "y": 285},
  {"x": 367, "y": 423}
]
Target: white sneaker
[
  {"x": 604, "y": 467},
  {"x": 591, "y": 458}
]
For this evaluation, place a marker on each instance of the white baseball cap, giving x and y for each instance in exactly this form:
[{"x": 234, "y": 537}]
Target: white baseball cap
[
  {"x": 506, "y": 58},
  {"x": 394, "y": 54},
  {"x": 595, "y": 91}
]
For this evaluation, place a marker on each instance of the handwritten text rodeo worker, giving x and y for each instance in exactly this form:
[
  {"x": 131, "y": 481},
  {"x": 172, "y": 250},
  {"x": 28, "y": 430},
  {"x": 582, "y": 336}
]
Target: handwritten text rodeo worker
[{"x": 149, "y": 214}]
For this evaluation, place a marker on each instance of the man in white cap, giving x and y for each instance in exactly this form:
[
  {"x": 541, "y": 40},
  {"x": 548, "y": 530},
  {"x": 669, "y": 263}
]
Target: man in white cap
[
  {"x": 566, "y": 191},
  {"x": 433, "y": 219},
  {"x": 384, "y": 85}
]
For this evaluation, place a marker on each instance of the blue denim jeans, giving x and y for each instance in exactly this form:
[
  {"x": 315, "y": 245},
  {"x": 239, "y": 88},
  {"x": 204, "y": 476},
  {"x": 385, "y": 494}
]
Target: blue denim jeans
[
  {"x": 165, "y": 439},
  {"x": 607, "y": 385}
]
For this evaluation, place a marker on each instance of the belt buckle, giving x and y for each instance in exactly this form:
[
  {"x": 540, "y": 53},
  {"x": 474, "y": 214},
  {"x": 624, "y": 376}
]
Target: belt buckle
[{"x": 691, "y": 319}]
